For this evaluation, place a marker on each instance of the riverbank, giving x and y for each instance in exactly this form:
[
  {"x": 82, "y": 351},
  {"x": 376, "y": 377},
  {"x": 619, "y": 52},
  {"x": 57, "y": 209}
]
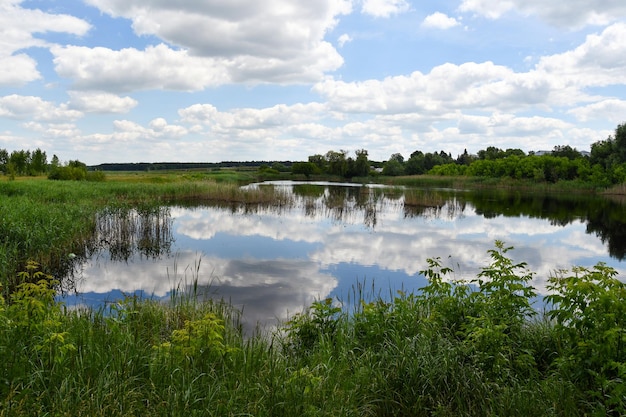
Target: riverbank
[
  {"x": 448, "y": 351},
  {"x": 45, "y": 221}
]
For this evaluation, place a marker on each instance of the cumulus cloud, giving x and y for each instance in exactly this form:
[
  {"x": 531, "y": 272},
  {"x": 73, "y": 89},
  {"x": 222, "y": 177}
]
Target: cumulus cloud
[
  {"x": 246, "y": 118},
  {"x": 157, "y": 129},
  {"x": 161, "y": 67},
  {"x": 100, "y": 102},
  {"x": 599, "y": 61},
  {"x": 17, "y": 70},
  {"x": 158, "y": 67},
  {"x": 571, "y": 14},
  {"x": 239, "y": 41},
  {"x": 447, "y": 87},
  {"x": 344, "y": 39},
  {"x": 17, "y": 26},
  {"x": 439, "y": 20},
  {"x": 29, "y": 107},
  {"x": 612, "y": 109},
  {"x": 53, "y": 130},
  {"x": 385, "y": 8}
]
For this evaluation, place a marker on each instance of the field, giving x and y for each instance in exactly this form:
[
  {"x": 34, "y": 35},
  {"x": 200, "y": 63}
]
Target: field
[{"x": 453, "y": 349}]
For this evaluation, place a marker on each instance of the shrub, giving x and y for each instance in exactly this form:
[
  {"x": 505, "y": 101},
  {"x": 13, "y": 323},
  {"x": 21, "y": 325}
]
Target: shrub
[{"x": 590, "y": 314}]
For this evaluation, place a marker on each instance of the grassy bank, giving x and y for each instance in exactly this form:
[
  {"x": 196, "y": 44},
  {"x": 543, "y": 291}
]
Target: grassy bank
[
  {"x": 463, "y": 182},
  {"x": 46, "y": 221},
  {"x": 450, "y": 350}
]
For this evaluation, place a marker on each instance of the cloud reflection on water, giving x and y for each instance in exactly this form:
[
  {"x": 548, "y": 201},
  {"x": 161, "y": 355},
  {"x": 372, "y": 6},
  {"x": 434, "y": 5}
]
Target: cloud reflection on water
[{"x": 273, "y": 263}]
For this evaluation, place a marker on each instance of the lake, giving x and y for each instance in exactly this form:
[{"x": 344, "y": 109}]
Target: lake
[{"x": 338, "y": 240}]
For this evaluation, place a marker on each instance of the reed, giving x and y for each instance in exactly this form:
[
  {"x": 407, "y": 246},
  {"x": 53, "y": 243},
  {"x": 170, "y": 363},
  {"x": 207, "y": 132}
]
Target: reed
[
  {"x": 49, "y": 221},
  {"x": 402, "y": 356}
]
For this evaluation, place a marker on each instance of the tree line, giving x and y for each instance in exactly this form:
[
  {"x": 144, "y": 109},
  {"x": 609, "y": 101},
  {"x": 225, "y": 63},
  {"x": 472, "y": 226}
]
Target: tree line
[
  {"x": 34, "y": 163},
  {"x": 605, "y": 165}
]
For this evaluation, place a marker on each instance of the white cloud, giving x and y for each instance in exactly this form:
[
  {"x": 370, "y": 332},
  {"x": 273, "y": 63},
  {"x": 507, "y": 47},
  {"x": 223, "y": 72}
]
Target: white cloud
[
  {"x": 157, "y": 129},
  {"x": 100, "y": 102},
  {"x": 54, "y": 130},
  {"x": 439, "y": 20},
  {"x": 17, "y": 70},
  {"x": 599, "y": 61},
  {"x": 610, "y": 109},
  {"x": 248, "y": 118},
  {"x": 571, "y": 14},
  {"x": 447, "y": 87},
  {"x": 491, "y": 9},
  {"x": 343, "y": 39},
  {"x": 17, "y": 26},
  {"x": 385, "y": 8},
  {"x": 158, "y": 67},
  {"x": 29, "y": 107},
  {"x": 240, "y": 41}
]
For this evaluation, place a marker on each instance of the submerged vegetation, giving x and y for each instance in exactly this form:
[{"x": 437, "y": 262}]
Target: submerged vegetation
[{"x": 475, "y": 348}]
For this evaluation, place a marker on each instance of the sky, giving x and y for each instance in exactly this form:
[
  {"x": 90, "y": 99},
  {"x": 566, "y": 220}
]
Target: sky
[{"x": 106, "y": 81}]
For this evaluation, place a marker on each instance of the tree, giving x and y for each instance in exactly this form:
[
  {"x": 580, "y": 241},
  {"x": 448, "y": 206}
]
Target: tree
[
  {"x": 337, "y": 162},
  {"x": 612, "y": 151},
  {"x": 416, "y": 164},
  {"x": 4, "y": 160},
  {"x": 38, "y": 162},
  {"x": 465, "y": 158},
  {"x": 304, "y": 168},
  {"x": 74, "y": 170},
  {"x": 393, "y": 168},
  {"x": 362, "y": 163},
  {"x": 567, "y": 152},
  {"x": 20, "y": 161},
  {"x": 319, "y": 161},
  {"x": 491, "y": 153},
  {"x": 398, "y": 157},
  {"x": 620, "y": 143}
]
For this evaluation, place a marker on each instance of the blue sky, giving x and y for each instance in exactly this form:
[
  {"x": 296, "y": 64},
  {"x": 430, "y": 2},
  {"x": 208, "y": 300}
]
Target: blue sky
[{"x": 214, "y": 80}]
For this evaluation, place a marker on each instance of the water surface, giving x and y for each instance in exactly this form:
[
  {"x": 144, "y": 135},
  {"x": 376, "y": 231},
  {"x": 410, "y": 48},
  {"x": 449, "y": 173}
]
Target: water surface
[{"x": 273, "y": 261}]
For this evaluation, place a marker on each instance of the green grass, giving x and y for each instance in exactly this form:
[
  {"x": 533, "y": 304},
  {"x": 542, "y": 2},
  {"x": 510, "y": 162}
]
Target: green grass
[
  {"x": 446, "y": 351},
  {"x": 46, "y": 221},
  {"x": 461, "y": 182}
]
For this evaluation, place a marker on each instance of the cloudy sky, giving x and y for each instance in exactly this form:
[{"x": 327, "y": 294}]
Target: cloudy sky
[{"x": 214, "y": 80}]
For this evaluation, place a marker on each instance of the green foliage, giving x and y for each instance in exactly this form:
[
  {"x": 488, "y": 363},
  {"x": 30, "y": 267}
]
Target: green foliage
[
  {"x": 306, "y": 330},
  {"x": 74, "y": 171},
  {"x": 201, "y": 339},
  {"x": 33, "y": 327},
  {"x": 503, "y": 307},
  {"x": 590, "y": 314},
  {"x": 393, "y": 168},
  {"x": 305, "y": 168},
  {"x": 455, "y": 348},
  {"x": 446, "y": 302}
]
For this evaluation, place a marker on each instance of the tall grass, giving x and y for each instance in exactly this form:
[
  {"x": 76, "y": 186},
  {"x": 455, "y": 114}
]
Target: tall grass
[
  {"x": 453, "y": 349},
  {"x": 50, "y": 221}
]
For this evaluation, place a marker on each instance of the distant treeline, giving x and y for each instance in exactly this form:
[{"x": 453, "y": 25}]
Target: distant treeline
[
  {"x": 160, "y": 166},
  {"x": 603, "y": 166}
]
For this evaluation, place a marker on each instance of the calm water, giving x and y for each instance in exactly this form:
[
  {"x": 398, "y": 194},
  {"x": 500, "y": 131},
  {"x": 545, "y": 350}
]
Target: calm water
[{"x": 273, "y": 261}]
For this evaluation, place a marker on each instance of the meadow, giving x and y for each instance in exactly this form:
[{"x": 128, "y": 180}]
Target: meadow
[{"x": 477, "y": 348}]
